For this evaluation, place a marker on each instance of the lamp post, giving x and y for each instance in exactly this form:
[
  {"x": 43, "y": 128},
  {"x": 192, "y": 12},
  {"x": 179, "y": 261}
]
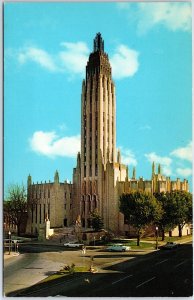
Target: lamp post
[
  {"x": 156, "y": 237},
  {"x": 9, "y": 241},
  {"x": 94, "y": 240}
]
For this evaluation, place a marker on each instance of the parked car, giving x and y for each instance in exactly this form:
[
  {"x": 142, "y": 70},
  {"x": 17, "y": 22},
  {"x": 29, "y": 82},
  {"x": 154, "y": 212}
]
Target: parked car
[
  {"x": 73, "y": 245},
  {"x": 170, "y": 245},
  {"x": 118, "y": 247}
]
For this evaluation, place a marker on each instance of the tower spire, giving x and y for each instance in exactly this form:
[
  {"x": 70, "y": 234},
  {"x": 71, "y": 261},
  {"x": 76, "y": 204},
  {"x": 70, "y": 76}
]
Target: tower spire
[
  {"x": 159, "y": 169},
  {"x": 134, "y": 173},
  {"x": 29, "y": 182},
  {"x": 119, "y": 156},
  {"x": 56, "y": 178},
  {"x": 98, "y": 43},
  {"x": 153, "y": 169}
]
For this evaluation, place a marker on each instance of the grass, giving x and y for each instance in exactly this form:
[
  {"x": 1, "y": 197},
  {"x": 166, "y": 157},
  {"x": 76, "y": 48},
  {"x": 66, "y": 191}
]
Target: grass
[
  {"x": 168, "y": 239},
  {"x": 148, "y": 242},
  {"x": 175, "y": 238},
  {"x": 62, "y": 273}
]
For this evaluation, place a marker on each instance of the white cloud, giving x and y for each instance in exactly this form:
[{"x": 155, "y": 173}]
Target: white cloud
[
  {"x": 184, "y": 153},
  {"x": 39, "y": 56},
  {"x": 185, "y": 172},
  {"x": 74, "y": 57},
  {"x": 165, "y": 162},
  {"x": 124, "y": 62},
  {"x": 51, "y": 145},
  {"x": 128, "y": 157},
  {"x": 173, "y": 16}
]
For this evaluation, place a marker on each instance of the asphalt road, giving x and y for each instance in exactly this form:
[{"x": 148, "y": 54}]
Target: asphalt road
[
  {"x": 28, "y": 268},
  {"x": 163, "y": 273}
]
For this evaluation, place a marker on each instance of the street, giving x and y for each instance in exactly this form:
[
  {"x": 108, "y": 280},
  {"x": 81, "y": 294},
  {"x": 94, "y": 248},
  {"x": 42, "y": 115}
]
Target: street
[{"x": 161, "y": 273}]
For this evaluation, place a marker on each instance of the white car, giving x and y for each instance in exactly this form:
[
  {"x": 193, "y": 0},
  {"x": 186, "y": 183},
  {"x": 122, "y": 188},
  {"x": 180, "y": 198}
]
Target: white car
[
  {"x": 73, "y": 245},
  {"x": 118, "y": 247},
  {"x": 170, "y": 245}
]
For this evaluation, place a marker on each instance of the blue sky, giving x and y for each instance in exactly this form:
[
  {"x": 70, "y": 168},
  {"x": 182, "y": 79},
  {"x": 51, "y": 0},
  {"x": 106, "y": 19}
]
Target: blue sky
[{"x": 46, "y": 47}]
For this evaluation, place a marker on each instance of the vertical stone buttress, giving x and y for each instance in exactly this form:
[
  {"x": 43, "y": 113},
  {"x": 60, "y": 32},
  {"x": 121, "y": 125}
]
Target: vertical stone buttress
[{"x": 98, "y": 129}]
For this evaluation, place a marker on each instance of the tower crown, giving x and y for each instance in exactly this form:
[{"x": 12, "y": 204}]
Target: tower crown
[
  {"x": 56, "y": 178},
  {"x": 98, "y": 43}
]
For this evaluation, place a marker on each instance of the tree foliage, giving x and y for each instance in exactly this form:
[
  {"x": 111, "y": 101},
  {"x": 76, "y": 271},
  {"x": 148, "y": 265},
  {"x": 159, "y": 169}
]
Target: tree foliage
[
  {"x": 183, "y": 208},
  {"x": 96, "y": 221},
  {"x": 167, "y": 222},
  {"x": 15, "y": 206},
  {"x": 177, "y": 206},
  {"x": 140, "y": 209}
]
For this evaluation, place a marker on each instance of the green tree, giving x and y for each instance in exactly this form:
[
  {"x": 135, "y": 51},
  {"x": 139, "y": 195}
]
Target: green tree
[
  {"x": 96, "y": 221},
  {"x": 140, "y": 209},
  {"x": 167, "y": 222},
  {"x": 182, "y": 201},
  {"x": 15, "y": 206}
]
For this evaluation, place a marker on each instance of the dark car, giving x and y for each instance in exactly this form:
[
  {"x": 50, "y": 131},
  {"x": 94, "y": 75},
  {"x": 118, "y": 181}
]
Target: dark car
[{"x": 170, "y": 246}]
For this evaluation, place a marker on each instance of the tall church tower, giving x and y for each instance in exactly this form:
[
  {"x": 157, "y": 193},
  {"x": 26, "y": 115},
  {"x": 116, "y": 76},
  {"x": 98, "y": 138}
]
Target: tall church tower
[{"x": 98, "y": 129}]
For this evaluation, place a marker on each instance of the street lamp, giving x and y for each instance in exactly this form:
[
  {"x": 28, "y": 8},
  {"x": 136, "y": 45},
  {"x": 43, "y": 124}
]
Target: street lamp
[
  {"x": 156, "y": 237},
  {"x": 9, "y": 241},
  {"x": 94, "y": 240}
]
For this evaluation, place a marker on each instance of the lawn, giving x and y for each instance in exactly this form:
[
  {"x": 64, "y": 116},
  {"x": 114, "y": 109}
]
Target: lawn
[
  {"x": 169, "y": 239},
  {"x": 62, "y": 273}
]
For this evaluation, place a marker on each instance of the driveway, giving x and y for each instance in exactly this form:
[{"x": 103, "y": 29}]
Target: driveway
[{"x": 37, "y": 261}]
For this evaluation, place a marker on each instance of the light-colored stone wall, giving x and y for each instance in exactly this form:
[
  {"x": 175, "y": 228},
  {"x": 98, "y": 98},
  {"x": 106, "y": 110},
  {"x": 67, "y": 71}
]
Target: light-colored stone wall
[{"x": 51, "y": 200}]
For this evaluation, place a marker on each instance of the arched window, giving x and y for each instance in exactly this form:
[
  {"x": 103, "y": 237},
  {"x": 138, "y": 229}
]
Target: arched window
[{"x": 94, "y": 202}]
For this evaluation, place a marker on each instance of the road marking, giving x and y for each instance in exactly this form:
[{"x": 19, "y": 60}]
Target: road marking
[
  {"x": 161, "y": 262},
  {"x": 145, "y": 282},
  {"x": 180, "y": 263},
  {"x": 122, "y": 279}
]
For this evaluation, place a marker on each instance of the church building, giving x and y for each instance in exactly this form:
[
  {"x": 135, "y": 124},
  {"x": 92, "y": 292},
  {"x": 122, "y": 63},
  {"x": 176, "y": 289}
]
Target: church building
[{"x": 99, "y": 177}]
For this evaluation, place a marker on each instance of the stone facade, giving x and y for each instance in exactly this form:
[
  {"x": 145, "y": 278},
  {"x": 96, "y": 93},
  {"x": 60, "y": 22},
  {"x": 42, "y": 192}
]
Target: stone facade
[{"x": 99, "y": 177}]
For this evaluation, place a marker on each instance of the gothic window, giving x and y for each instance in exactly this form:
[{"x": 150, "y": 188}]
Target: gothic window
[
  {"x": 40, "y": 214},
  {"x": 96, "y": 170},
  {"x": 44, "y": 211},
  {"x": 84, "y": 171},
  {"x": 65, "y": 205},
  {"x": 94, "y": 202},
  {"x": 89, "y": 205},
  {"x": 32, "y": 208},
  {"x": 83, "y": 206},
  {"x": 36, "y": 214}
]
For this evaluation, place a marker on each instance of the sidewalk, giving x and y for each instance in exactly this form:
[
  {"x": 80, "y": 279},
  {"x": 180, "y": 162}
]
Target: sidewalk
[{"x": 12, "y": 254}]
